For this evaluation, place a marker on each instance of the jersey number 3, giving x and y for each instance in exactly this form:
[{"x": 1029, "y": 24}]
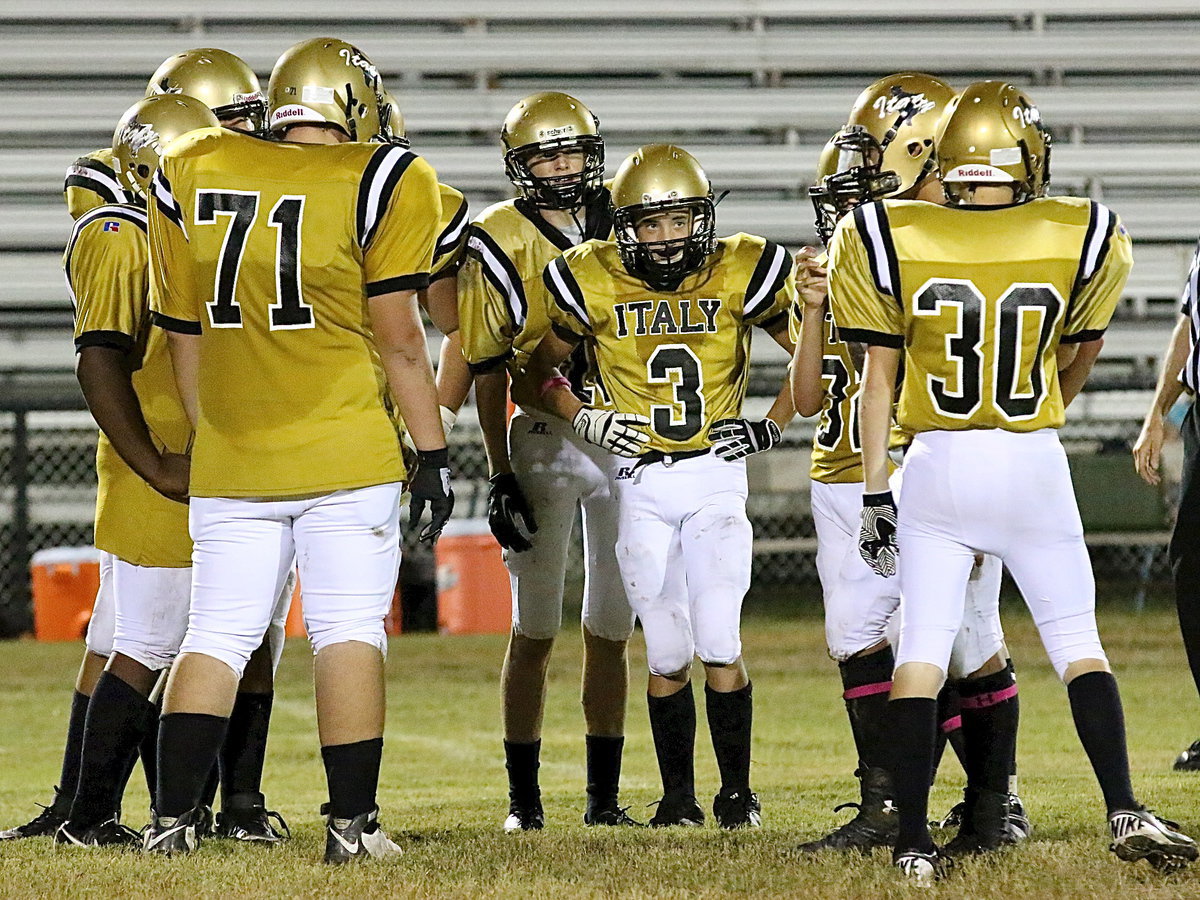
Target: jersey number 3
[
  {"x": 240, "y": 208},
  {"x": 677, "y": 365}
]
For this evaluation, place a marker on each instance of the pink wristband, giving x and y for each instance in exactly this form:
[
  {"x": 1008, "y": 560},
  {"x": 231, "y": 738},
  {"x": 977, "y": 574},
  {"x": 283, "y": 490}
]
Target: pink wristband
[{"x": 556, "y": 381}]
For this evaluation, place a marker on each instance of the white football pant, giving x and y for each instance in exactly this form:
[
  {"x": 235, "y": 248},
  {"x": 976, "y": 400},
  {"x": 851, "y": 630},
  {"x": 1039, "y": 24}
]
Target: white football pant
[
  {"x": 99, "y": 637},
  {"x": 860, "y": 606},
  {"x": 687, "y": 517},
  {"x": 1008, "y": 495},
  {"x": 558, "y": 471},
  {"x": 347, "y": 549}
]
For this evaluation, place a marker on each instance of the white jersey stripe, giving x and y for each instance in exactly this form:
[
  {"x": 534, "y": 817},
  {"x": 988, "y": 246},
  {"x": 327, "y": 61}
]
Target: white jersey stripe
[
  {"x": 498, "y": 274},
  {"x": 878, "y": 249},
  {"x": 765, "y": 296},
  {"x": 1099, "y": 235},
  {"x": 392, "y": 159},
  {"x": 564, "y": 294},
  {"x": 1190, "y": 376}
]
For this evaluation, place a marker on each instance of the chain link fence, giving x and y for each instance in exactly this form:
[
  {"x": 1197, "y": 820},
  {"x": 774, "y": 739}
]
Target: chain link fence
[{"x": 53, "y": 506}]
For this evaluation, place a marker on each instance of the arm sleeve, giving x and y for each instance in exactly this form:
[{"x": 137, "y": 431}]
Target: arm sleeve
[
  {"x": 402, "y": 224},
  {"x": 174, "y": 287},
  {"x": 485, "y": 323},
  {"x": 89, "y": 184},
  {"x": 108, "y": 278},
  {"x": 861, "y": 311},
  {"x": 771, "y": 289},
  {"x": 1191, "y": 287},
  {"x": 1101, "y": 284}
]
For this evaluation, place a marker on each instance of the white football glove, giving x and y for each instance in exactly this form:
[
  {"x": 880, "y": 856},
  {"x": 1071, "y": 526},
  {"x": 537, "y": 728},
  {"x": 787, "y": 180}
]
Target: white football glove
[
  {"x": 624, "y": 434},
  {"x": 738, "y": 438},
  {"x": 877, "y": 537}
]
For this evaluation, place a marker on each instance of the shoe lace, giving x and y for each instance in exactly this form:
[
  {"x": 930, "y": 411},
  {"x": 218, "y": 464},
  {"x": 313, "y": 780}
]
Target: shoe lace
[{"x": 269, "y": 814}]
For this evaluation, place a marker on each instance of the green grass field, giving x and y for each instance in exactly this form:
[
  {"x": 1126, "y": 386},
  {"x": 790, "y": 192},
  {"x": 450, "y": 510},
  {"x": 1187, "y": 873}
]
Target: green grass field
[{"x": 443, "y": 790}]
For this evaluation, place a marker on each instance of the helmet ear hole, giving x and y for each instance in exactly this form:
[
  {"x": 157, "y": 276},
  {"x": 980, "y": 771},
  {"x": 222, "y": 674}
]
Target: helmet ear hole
[
  {"x": 916, "y": 148},
  {"x": 143, "y": 170}
]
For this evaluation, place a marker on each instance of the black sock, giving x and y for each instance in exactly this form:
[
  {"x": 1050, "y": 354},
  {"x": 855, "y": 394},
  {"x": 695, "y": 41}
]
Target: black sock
[
  {"x": 913, "y": 723},
  {"x": 521, "y": 759},
  {"x": 188, "y": 744},
  {"x": 115, "y": 721},
  {"x": 148, "y": 752},
  {"x": 68, "y": 781},
  {"x": 866, "y": 681},
  {"x": 245, "y": 747},
  {"x": 603, "y": 769},
  {"x": 673, "y": 724},
  {"x": 208, "y": 795},
  {"x": 1100, "y": 722},
  {"x": 730, "y": 716},
  {"x": 352, "y": 771},
  {"x": 989, "y": 729},
  {"x": 949, "y": 731}
]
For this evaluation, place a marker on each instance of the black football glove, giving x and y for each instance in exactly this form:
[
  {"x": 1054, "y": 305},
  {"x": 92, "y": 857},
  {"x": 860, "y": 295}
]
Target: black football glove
[
  {"x": 509, "y": 515},
  {"x": 738, "y": 438},
  {"x": 877, "y": 537},
  {"x": 431, "y": 485}
]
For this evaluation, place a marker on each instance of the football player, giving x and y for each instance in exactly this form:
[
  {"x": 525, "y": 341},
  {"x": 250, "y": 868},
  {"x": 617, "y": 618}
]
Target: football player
[
  {"x": 141, "y": 508},
  {"x": 667, "y": 310},
  {"x": 885, "y": 150},
  {"x": 985, "y": 299},
  {"x": 304, "y": 255},
  {"x": 231, "y": 89},
  {"x": 541, "y": 471}
]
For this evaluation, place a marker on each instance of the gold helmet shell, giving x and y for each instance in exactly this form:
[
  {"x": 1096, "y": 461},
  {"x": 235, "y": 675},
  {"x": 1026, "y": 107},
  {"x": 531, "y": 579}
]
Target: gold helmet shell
[
  {"x": 146, "y": 129},
  {"x": 890, "y": 130},
  {"x": 663, "y": 178},
  {"x": 993, "y": 134},
  {"x": 546, "y": 123},
  {"x": 325, "y": 81},
  {"x": 391, "y": 121},
  {"x": 218, "y": 79},
  {"x": 821, "y": 192}
]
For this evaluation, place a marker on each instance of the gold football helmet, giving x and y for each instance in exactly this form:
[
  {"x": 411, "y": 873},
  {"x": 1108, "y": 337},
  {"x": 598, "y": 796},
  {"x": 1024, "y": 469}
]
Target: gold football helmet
[
  {"x": 544, "y": 123},
  {"x": 826, "y": 199},
  {"x": 147, "y": 128},
  {"x": 324, "y": 81},
  {"x": 218, "y": 79},
  {"x": 391, "y": 121},
  {"x": 886, "y": 147},
  {"x": 993, "y": 134},
  {"x": 663, "y": 178}
]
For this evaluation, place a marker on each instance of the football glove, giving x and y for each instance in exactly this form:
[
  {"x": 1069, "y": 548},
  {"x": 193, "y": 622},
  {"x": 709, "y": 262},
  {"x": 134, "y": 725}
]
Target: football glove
[
  {"x": 449, "y": 417},
  {"x": 430, "y": 486},
  {"x": 738, "y": 438},
  {"x": 877, "y": 537},
  {"x": 621, "y": 433},
  {"x": 509, "y": 515}
]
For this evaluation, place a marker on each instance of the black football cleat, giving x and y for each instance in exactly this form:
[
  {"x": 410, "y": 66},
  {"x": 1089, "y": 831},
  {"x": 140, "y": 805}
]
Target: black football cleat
[
  {"x": 173, "y": 836},
  {"x": 360, "y": 838},
  {"x": 524, "y": 815},
  {"x": 44, "y": 824},
  {"x": 109, "y": 833},
  {"x": 1189, "y": 759},
  {"x": 921, "y": 869},
  {"x": 608, "y": 814},
  {"x": 737, "y": 809},
  {"x": 678, "y": 809},
  {"x": 874, "y": 825},
  {"x": 985, "y": 824},
  {"x": 246, "y": 818}
]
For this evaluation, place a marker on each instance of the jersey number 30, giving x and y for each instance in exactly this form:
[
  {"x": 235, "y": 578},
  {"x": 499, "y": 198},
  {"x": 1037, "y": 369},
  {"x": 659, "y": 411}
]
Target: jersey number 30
[
  {"x": 1019, "y": 307},
  {"x": 241, "y": 209}
]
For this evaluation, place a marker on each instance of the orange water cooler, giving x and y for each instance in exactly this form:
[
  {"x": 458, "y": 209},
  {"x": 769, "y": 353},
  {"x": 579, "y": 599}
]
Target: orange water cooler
[
  {"x": 474, "y": 596},
  {"x": 65, "y": 582}
]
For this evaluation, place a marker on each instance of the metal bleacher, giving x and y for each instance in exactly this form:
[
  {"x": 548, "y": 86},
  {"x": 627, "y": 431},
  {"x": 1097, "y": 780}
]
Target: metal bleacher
[{"x": 752, "y": 87}]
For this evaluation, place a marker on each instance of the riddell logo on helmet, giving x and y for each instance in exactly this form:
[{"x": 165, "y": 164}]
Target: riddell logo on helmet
[
  {"x": 546, "y": 134},
  {"x": 977, "y": 173},
  {"x": 295, "y": 111}
]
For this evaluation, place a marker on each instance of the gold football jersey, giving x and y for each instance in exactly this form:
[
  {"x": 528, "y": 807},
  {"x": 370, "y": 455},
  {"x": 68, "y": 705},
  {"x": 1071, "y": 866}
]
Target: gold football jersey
[
  {"x": 679, "y": 357},
  {"x": 270, "y": 252},
  {"x": 92, "y": 182},
  {"x": 451, "y": 243},
  {"x": 107, "y": 268},
  {"x": 979, "y": 298}
]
